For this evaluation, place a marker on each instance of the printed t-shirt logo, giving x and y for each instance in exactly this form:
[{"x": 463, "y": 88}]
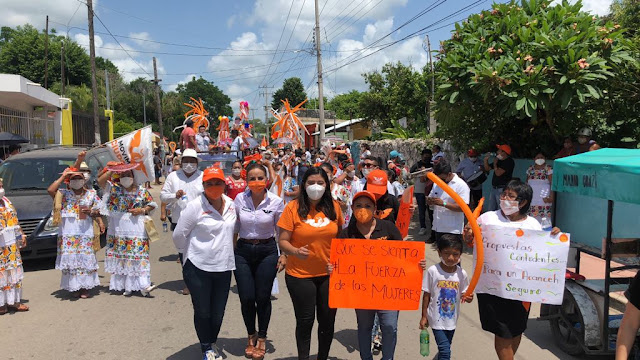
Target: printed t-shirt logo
[{"x": 318, "y": 222}]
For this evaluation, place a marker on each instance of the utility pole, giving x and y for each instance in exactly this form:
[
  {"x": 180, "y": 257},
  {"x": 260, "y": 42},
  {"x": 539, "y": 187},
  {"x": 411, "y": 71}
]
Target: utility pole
[
  {"x": 106, "y": 84},
  {"x": 431, "y": 122},
  {"x": 265, "y": 93},
  {"x": 62, "y": 66},
  {"x": 144, "y": 105},
  {"x": 320, "y": 85},
  {"x": 158, "y": 103},
  {"x": 94, "y": 83},
  {"x": 46, "y": 54}
]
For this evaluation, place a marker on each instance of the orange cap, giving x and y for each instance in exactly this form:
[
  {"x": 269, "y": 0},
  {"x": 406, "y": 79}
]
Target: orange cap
[
  {"x": 212, "y": 173},
  {"x": 365, "y": 194},
  {"x": 377, "y": 182},
  {"x": 505, "y": 148}
]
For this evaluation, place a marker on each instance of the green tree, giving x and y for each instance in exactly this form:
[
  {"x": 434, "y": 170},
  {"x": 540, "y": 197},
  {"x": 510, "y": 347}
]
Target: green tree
[
  {"x": 346, "y": 106},
  {"x": 528, "y": 70},
  {"x": 291, "y": 89},
  {"x": 395, "y": 92},
  {"x": 23, "y": 54},
  {"x": 215, "y": 101}
]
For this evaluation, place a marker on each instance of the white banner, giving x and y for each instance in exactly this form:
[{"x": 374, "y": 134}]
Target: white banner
[
  {"x": 136, "y": 148},
  {"x": 525, "y": 265}
]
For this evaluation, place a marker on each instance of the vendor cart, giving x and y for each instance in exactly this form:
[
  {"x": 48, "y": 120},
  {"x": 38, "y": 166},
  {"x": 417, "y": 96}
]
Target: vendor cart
[{"x": 584, "y": 323}]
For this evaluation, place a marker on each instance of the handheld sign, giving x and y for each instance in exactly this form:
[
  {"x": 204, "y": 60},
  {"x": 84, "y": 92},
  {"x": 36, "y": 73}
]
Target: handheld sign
[
  {"x": 404, "y": 212},
  {"x": 376, "y": 274},
  {"x": 525, "y": 265}
]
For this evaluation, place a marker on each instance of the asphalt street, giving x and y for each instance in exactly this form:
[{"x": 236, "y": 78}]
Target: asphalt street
[{"x": 111, "y": 326}]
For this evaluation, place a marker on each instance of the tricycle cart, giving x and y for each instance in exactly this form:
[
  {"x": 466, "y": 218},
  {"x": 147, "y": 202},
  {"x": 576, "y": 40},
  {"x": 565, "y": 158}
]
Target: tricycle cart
[{"x": 583, "y": 324}]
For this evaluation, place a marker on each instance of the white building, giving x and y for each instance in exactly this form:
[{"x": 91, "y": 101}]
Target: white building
[{"x": 29, "y": 110}]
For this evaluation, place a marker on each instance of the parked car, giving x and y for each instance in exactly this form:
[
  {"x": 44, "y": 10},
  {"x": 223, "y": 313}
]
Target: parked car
[
  {"x": 224, "y": 160},
  {"x": 27, "y": 176}
]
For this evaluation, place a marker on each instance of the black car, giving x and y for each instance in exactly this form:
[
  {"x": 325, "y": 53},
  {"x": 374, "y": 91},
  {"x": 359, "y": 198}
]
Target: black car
[{"x": 27, "y": 176}]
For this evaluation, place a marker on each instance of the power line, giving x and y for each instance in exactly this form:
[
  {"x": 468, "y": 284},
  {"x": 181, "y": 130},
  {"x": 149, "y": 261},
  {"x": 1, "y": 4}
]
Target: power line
[
  {"x": 284, "y": 27},
  {"x": 341, "y": 12},
  {"x": 354, "y": 21},
  {"x": 210, "y": 72}
]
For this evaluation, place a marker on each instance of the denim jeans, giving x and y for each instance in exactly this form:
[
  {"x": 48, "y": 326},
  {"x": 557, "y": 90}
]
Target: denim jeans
[
  {"x": 443, "y": 339},
  {"x": 308, "y": 296},
  {"x": 255, "y": 271},
  {"x": 209, "y": 293},
  {"x": 494, "y": 199},
  {"x": 421, "y": 199},
  {"x": 389, "y": 327}
]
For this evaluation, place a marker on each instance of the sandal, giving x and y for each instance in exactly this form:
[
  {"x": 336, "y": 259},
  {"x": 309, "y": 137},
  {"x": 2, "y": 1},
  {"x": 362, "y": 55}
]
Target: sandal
[
  {"x": 4, "y": 310},
  {"x": 19, "y": 308},
  {"x": 260, "y": 349},
  {"x": 250, "y": 349},
  {"x": 84, "y": 294}
]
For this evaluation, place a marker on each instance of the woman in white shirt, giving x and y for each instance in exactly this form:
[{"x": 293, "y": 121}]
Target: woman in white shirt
[
  {"x": 506, "y": 318},
  {"x": 205, "y": 232}
]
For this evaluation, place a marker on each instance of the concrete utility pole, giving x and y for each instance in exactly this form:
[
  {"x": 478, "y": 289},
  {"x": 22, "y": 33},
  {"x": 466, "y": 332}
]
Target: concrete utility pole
[
  {"x": 431, "y": 122},
  {"x": 46, "y": 54},
  {"x": 144, "y": 105},
  {"x": 94, "y": 83},
  {"x": 62, "y": 66},
  {"x": 320, "y": 85},
  {"x": 265, "y": 93},
  {"x": 106, "y": 84},
  {"x": 158, "y": 103}
]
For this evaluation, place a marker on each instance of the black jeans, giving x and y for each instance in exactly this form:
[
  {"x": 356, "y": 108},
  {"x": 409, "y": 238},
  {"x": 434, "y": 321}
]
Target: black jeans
[
  {"x": 209, "y": 293},
  {"x": 476, "y": 195},
  {"x": 255, "y": 271},
  {"x": 311, "y": 295},
  {"x": 421, "y": 199}
]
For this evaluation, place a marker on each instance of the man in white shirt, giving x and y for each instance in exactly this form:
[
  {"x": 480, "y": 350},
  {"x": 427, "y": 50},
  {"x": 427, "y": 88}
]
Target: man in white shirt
[
  {"x": 370, "y": 163},
  {"x": 203, "y": 139},
  {"x": 238, "y": 143},
  {"x": 448, "y": 217},
  {"x": 182, "y": 186}
]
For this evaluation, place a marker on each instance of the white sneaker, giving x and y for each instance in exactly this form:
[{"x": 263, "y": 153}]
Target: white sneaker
[
  {"x": 212, "y": 354},
  {"x": 145, "y": 292},
  {"x": 422, "y": 231}
]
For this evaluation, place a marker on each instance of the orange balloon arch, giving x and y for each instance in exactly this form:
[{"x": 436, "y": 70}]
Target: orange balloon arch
[{"x": 477, "y": 234}]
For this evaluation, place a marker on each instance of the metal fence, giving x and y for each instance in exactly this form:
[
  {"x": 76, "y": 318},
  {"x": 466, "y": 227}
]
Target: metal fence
[
  {"x": 39, "y": 130},
  {"x": 83, "y": 129}
]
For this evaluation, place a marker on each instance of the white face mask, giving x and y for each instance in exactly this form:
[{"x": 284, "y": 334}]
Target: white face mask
[
  {"x": 446, "y": 263},
  {"x": 126, "y": 181},
  {"x": 189, "y": 168},
  {"x": 315, "y": 191},
  {"x": 500, "y": 157},
  {"x": 1, "y": 192},
  {"x": 509, "y": 207},
  {"x": 540, "y": 162},
  {"x": 351, "y": 174},
  {"x": 86, "y": 176},
  {"x": 236, "y": 172},
  {"x": 473, "y": 159},
  {"x": 76, "y": 184},
  {"x": 365, "y": 172}
]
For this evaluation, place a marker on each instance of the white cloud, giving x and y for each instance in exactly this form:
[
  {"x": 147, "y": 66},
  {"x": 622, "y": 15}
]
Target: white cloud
[
  {"x": 142, "y": 39},
  {"x": 598, "y": 7},
  {"x": 172, "y": 87},
  {"x": 230, "y": 21},
  {"x": 34, "y": 12}
]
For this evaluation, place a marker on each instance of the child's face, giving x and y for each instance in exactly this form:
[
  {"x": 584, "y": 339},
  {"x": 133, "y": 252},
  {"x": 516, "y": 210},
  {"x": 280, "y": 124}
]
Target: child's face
[{"x": 450, "y": 256}]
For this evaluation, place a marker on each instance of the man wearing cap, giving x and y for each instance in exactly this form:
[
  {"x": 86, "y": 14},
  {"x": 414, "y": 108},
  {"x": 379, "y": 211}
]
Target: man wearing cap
[
  {"x": 448, "y": 217},
  {"x": 468, "y": 167},
  {"x": 188, "y": 136},
  {"x": 369, "y": 164},
  {"x": 585, "y": 143},
  {"x": 181, "y": 187},
  {"x": 502, "y": 168}
]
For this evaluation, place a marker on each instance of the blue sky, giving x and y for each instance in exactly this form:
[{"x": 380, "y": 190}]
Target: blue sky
[{"x": 240, "y": 45}]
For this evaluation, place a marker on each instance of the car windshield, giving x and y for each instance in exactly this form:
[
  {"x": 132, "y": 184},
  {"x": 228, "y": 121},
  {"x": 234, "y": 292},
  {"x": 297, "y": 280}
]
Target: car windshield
[
  {"x": 32, "y": 174},
  {"x": 224, "y": 161}
]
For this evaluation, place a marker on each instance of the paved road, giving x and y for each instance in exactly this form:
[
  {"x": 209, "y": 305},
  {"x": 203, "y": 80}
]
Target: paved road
[{"x": 109, "y": 326}]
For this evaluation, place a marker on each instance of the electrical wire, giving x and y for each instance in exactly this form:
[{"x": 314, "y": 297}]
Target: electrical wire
[
  {"x": 279, "y": 41},
  {"x": 290, "y": 36}
]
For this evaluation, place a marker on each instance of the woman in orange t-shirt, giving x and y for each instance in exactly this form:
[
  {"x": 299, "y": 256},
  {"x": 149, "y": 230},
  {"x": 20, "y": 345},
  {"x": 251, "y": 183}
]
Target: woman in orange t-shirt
[{"x": 307, "y": 226}]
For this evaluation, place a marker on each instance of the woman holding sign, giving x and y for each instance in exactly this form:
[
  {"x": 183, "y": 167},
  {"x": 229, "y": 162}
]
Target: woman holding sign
[
  {"x": 307, "y": 226},
  {"x": 506, "y": 318},
  {"x": 366, "y": 226}
]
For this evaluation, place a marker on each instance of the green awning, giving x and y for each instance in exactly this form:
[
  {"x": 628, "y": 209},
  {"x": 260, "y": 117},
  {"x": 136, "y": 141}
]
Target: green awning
[{"x": 612, "y": 174}]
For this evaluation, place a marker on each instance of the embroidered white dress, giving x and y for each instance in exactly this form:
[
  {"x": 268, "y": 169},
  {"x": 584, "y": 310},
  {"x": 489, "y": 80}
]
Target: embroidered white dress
[
  {"x": 127, "y": 251},
  {"x": 11, "y": 272},
  {"x": 76, "y": 257}
]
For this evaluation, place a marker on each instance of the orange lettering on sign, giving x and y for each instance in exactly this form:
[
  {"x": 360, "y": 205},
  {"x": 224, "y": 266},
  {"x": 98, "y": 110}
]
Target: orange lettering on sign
[
  {"x": 404, "y": 212},
  {"x": 376, "y": 274}
]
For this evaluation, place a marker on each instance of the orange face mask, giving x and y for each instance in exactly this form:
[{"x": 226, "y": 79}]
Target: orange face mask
[
  {"x": 214, "y": 192},
  {"x": 363, "y": 215},
  {"x": 257, "y": 186}
]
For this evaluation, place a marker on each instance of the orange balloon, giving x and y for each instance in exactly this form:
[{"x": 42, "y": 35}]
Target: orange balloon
[
  {"x": 478, "y": 209},
  {"x": 172, "y": 146},
  {"x": 477, "y": 234}
]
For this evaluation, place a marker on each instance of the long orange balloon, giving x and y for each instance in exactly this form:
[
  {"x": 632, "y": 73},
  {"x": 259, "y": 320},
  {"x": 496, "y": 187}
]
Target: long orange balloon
[
  {"x": 477, "y": 235},
  {"x": 478, "y": 210}
]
